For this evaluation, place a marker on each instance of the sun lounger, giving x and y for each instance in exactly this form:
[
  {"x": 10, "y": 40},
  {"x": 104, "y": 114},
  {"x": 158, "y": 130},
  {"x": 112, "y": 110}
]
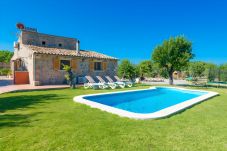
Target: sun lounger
[
  {"x": 120, "y": 84},
  {"x": 127, "y": 83},
  {"x": 199, "y": 82},
  {"x": 92, "y": 84},
  {"x": 154, "y": 79},
  {"x": 111, "y": 85}
]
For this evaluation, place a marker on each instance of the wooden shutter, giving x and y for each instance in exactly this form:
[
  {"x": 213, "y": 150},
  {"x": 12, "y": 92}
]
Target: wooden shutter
[
  {"x": 104, "y": 66},
  {"x": 56, "y": 63},
  {"x": 74, "y": 64},
  {"x": 91, "y": 65}
]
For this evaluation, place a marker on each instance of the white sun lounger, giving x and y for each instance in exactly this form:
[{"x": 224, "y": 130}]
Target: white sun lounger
[
  {"x": 127, "y": 83},
  {"x": 111, "y": 85},
  {"x": 120, "y": 84},
  {"x": 92, "y": 84}
]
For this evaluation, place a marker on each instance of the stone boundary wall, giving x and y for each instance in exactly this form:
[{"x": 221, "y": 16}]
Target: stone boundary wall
[{"x": 4, "y": 65}]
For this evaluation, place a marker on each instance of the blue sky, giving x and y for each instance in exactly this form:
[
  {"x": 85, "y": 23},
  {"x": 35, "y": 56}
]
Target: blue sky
[{"x": 123, "y": 28}]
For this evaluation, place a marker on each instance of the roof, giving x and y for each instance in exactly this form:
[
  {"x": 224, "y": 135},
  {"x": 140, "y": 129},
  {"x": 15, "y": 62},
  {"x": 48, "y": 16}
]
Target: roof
[{"x": 68, "y": 52}]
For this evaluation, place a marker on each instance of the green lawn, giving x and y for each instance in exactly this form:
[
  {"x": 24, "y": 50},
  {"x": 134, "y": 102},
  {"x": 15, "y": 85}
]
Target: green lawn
[{"x": 50, "y": 120}]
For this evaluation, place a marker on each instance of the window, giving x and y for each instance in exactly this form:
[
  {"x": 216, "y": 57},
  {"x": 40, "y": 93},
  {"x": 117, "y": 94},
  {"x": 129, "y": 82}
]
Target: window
[
  {"x": 43, "y": 43},
  {"x": 18, "y": 46},
  {"x": 64, "y": 62},
  {"x": 98, "y": 66},
  {"x": 60, "y": 45},
  {"x": 31, "y": 41}
]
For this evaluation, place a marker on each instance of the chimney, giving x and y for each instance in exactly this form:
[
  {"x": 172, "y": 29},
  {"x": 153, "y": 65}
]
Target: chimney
[{"x": 78, "y": 46}]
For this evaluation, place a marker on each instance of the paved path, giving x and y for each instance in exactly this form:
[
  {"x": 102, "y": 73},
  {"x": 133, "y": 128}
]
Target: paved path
[
  {"x": 6, "y": 85},
  {"x": 166, "y": 81},
  {"x": 10, "y": 88}
]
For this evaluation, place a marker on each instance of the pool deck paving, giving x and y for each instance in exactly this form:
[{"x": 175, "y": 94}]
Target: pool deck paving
[{"x": 11, "y": 88}]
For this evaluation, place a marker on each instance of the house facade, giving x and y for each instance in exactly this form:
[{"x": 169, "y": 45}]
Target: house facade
[{"x": 38, "y": 59}]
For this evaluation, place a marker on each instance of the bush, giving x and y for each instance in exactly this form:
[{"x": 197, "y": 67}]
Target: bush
[
  {"x": 69, "y": 76},
  {"x": 4, "y": 72}
]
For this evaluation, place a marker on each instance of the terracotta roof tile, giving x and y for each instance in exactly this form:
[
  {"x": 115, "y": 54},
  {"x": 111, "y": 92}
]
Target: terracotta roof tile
[{"x": 68, "y": 52}]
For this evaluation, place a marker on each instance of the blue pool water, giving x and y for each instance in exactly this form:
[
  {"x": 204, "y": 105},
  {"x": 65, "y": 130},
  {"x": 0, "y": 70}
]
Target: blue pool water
[{"x": 145, "y": 101}]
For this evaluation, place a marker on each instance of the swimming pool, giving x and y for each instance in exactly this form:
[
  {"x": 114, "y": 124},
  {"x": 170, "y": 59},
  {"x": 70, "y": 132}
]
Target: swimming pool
[{"x": 155, "y": 102}]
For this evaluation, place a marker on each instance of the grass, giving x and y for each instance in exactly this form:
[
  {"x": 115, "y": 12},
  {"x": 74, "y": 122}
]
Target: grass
[{"x": 50, "y": 120}]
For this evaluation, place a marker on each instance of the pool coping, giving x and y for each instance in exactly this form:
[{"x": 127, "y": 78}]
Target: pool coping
[{"x": 158, "y": 114}]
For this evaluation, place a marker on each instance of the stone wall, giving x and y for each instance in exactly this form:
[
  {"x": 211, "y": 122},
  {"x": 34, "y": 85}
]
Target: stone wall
[
  {"x": 45, "y": 73},
  {"x": 35, "y": 38}
]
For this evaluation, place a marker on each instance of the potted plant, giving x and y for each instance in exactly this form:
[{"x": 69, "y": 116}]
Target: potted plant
[{"x": 69, "y": 76}]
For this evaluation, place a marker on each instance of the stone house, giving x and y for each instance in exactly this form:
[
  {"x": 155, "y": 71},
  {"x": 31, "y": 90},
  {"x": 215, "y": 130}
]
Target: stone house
[{"x": 38, "y": 59}]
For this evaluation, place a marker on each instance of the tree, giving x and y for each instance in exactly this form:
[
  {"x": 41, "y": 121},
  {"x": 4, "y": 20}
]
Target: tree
[
  {"x": 173, "y": 55},
  {"x": 5, "y": 56},
  {"x": 145, "y": 68},
  {"x": 223, "y": 72},
  {"x": 197, "y": 69},
  {"x": 136, "y": 71},
  {"x": 126, "y": 69},
  {"x": 211, "y": 71}
]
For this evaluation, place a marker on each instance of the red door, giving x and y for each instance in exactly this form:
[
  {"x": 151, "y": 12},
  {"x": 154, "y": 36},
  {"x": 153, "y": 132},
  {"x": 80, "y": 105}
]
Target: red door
[{"x": 21, "y": 77}]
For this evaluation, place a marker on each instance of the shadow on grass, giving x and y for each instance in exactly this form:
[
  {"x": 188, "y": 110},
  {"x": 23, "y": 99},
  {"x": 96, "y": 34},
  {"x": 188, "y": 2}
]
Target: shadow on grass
[
  {"x": 24, "y": 101},
  {"x": 20, "y": 102},
  {"x": 15, "y": 120}
]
